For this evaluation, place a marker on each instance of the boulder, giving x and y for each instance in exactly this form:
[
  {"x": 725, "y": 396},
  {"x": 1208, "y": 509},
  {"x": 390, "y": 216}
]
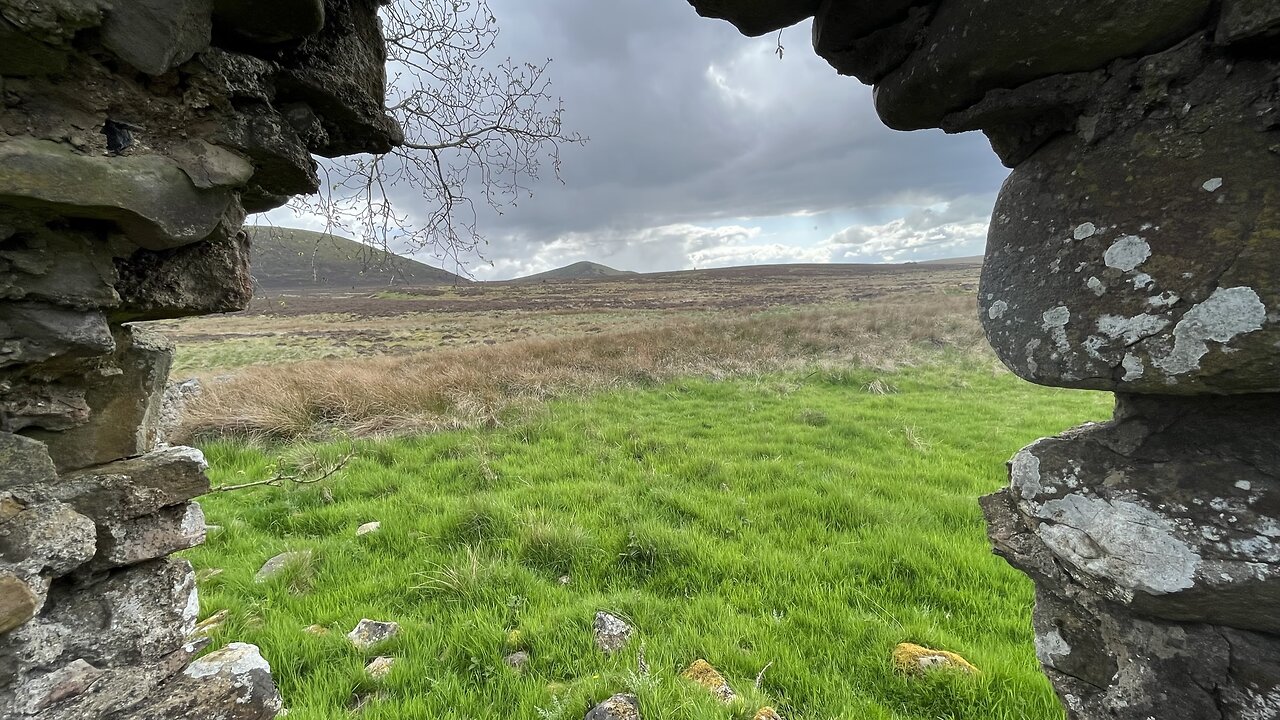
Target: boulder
[
  {"x": 517, "y": 660},
  {"x": 148, "y": 196},
  {"x": 156, "y": 35},
  {"x": 913, "y": 659},
  {"x": 1138, "y": 257},
  {"x": 210, "y": 276},
  {"x": 1021, "y": 42},
  {"x": 232, "y": 683},
  {"x": 42, "y": 538},
  {"x": 124, "y": 405},
  {"x": 757, "y": 17}
]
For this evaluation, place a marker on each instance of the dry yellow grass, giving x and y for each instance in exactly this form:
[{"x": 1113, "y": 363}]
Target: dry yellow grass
[{"x": 458, "y": 388}]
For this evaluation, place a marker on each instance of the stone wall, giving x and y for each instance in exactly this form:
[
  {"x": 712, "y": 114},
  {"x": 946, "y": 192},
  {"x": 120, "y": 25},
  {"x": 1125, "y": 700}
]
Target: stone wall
[
  {"x": 134, "y": 137},
  {"x": 1134, "y": 248}
]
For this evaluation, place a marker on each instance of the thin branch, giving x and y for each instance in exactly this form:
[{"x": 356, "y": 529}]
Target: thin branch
[{"x": 280, "y": 479}]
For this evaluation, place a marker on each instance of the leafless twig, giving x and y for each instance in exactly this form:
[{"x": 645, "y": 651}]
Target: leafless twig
[{"x": 281, "y": 478}]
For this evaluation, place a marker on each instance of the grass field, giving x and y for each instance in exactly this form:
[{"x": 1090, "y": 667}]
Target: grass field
[{"x": 795, "y": 524}]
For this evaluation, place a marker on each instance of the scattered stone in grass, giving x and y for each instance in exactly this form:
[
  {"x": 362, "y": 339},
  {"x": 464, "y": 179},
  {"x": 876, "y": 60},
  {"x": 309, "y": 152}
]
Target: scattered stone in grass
[
  {"x": 703, "y": 673},
  {"x": 619, "y": 707},
  {"x": 277, "y": 564},
  {"x": 317, "y": 630},
  {"x": 368, "y": 633},
  {"x": 379, "y": 667},
  {"x": 915, "y": 659},
  {"x": 564, "y": 579},
  {"x": 767, "y": 713},
  {"x": 213, "y": 622},
  {"x": 517, "y": 660},
  {"x": 369, "y": 527},
  {"x": 208, "y": 574},
  {"x": 611, "y": 632}
]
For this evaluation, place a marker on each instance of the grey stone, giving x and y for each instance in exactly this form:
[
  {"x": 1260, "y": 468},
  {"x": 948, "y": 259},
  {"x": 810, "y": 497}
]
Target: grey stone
[
  {"x": 1252, "y": 20},
  {"x": 209, "y": 166},
  {"x": 367, "y": 528},
  {"x": 44, "y": 406},
  {"x": 35, "y": 332},
  {"x": 269, "y": 24},
  {"x": 757, "y": 17},
  {"x": 210, "y": 276},
  {"x": 35, "y": 36},
  {"x": 280, "y": 563},
  {"x": 24, "y": 461},
  {"x": 380, "y": 667},
  {"x": 177, "y": 395},
  {"x": 68, "y": 269},
  {"x": 156, "y": 35},
  {"x": 368, "y": 633},
  {"x": 1019, "y": 43},
  {"x": 149, "y": 196},
  {"x": 231, "y": 683},
  {"x": 868, "y": 39},
  {"x": 1117, "y": 263},
  {"x": 135, "y": 487},
  {"x": 517, "y": 660},
  {"x": 611, "y": 632},
  {"x": 66, "y": 682},
  {"x": 622, "y": 706},
  {"x": 124, "y": 405},
  {"x": 18, "y": 603},
  {"x": 43, "y": 537},
  {"x": 126, "y": 542}
]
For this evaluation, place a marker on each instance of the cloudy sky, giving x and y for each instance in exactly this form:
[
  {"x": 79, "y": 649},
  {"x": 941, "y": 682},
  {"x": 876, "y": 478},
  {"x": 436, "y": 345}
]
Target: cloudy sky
[{"x": 707, "y": 150}]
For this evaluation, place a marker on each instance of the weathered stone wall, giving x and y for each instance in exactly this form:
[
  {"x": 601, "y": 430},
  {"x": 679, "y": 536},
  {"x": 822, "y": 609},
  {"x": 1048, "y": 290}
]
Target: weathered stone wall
[
  {"x": 134, "y": 136},
  {"x": 1134, "y": 248}
]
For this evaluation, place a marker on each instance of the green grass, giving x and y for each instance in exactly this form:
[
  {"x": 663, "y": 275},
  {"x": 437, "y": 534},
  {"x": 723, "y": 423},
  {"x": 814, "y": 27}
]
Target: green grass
[{"x": 803, "y": 524}]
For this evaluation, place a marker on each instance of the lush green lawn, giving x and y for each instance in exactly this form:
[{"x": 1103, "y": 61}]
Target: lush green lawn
[{"x": 804, "y": 524}]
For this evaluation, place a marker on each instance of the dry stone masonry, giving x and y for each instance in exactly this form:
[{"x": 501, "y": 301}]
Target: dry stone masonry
[
  {"x": 1134, "y": 248},
  {"x": 134, "y": 137}
]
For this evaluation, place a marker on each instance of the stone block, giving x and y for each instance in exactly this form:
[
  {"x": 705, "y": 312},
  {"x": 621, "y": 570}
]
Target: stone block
[
  {"x": 18, "y": 603},
  {"x": 138, "y": 486},
  {"x": 124, "y": 404},
  {"x": 36, "y": 332},
  {"x": 156, "y": 35},
  {"x": 211, "y": 276},
  {"x": 24, "y": 461},
  {"x": 231, "y": 683},
  {"x": 149, "y": 537}
]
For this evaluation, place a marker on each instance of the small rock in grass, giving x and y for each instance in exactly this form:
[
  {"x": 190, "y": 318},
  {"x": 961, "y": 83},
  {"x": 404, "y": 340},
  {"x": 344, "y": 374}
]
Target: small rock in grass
[
  {"x": 369, "y": 527},
  {"x": 517, "y": 660},
  {"x": 379, "y": 667},
  {"x": 277, "y": 564},
  {"x": 368, "y": 633},
  {"x": 703, "y": 673},
  {"x": 767, "y": 713},
  {"x": 618, "y": 707},
  {"x": 611, "y": 632},
  {"x": 211, "y": 623},
  {"x": 317, "y": 630},
  {"x": 565, "y": 579},
  {"x": 915, "y": 659},
  {"x": 208, "y": 574}
]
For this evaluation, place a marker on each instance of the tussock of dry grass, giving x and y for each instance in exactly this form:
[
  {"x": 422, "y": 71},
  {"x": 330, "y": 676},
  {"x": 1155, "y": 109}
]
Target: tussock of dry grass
[{"x": 448, "y": 389}]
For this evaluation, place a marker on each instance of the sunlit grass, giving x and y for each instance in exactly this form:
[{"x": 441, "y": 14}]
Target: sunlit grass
[{"x": 803, "y": 522}]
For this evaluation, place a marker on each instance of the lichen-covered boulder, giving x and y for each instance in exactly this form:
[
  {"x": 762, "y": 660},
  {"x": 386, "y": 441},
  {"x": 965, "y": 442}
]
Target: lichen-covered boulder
[{"x": 1139, "y": 255}]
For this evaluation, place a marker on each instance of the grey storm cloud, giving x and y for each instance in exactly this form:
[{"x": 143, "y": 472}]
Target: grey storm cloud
[{"x": 699, "y": 136}]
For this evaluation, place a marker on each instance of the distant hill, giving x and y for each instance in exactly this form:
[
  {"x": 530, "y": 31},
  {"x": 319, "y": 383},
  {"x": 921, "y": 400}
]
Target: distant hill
[
  {"x": 577, "y": 271},
  {"x": 291, "y": 259},
  {"x": 969, "y": 260}
]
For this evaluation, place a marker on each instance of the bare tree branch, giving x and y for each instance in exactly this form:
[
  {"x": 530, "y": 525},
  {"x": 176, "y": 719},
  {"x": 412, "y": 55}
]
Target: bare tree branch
[{"x": 476, "y": 132}]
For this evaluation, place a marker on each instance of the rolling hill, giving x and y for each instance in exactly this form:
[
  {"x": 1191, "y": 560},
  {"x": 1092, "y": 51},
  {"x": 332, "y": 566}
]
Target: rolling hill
[
  {"x": 577, "y": 271},
  {"x": 291, "y": 259}
]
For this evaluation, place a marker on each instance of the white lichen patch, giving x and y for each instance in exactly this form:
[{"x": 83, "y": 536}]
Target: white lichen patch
[
  {"x": 1024, "y": 474},
  {"x": 1054, "y": 321},
  {"x": 1131, "y": 330},
  {"x": 1212, "y": 184},
  {"x": 236, "y": 659},
  {"x": 1226, "y": 314},
  {"x": 1119, "y": 541},
  {"x": 1051, "y": 646},
  {"x": 1165, "y": 299},
  {"x": 1096, "y": 286},
  {"x": 1127, "y": 253},
  {"x": 1142, "y": 281},
  {"x": 997, "y": 309},
  {"x": 1244, "y": 485},
  {"x": 1084, "y": 230},
  {"x": 1133, "y": 367}
]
